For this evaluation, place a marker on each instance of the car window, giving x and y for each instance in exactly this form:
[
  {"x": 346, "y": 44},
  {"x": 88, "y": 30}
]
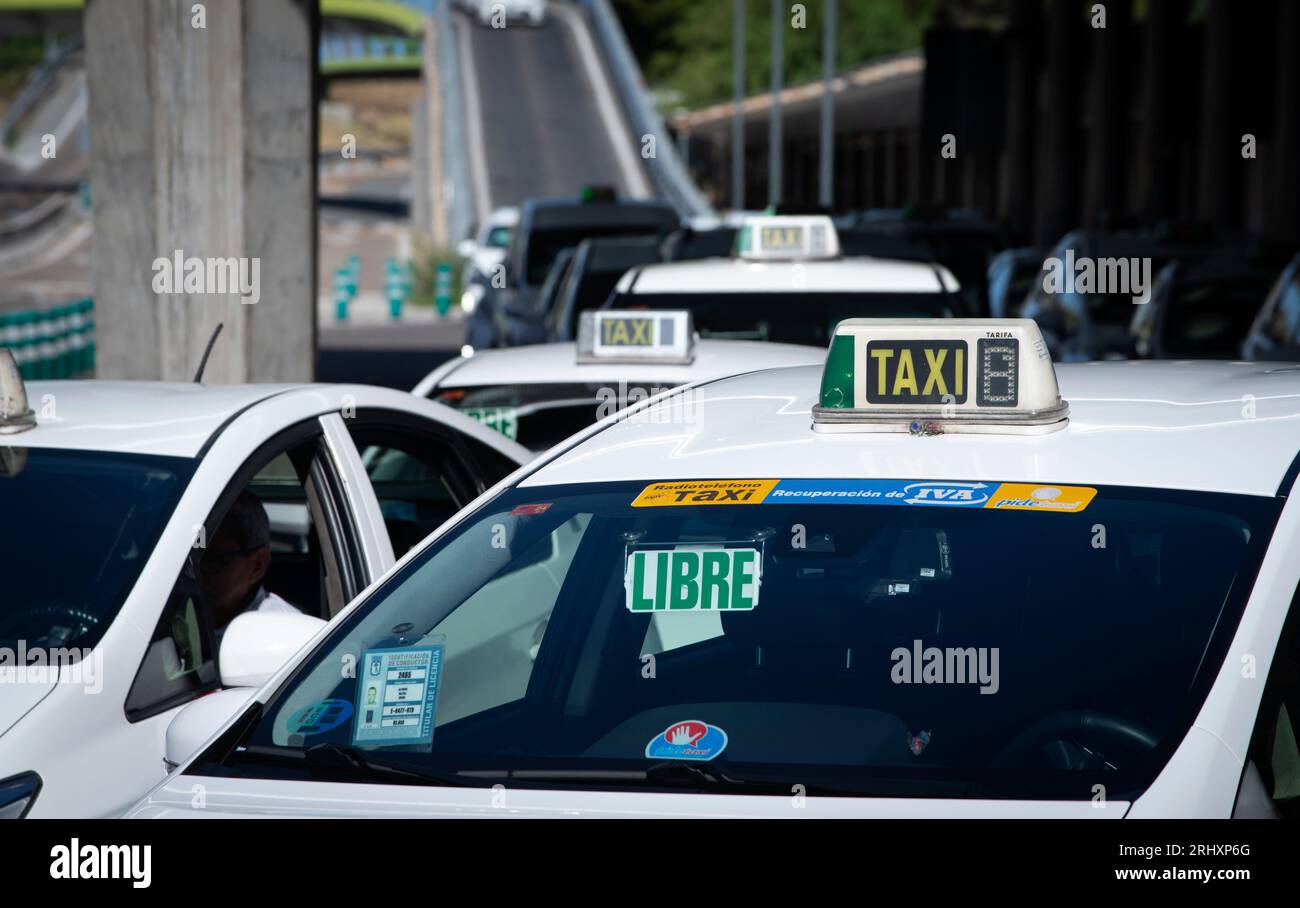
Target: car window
[
  {"x": 1283, "y": 325},
  {"x": 900, "y": 650},
  {"x": 418, "y": 478},
  {"x": 541, "y": 415},
  {"x": 110, "y": 507},
  {"x": 311, "y": 567},
  {"x": 1275, "y": 745},
  {"x": 788, "y": 318}
]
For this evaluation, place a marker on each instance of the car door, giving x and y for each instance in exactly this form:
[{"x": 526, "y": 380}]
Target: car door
[
  {"x": 317, "y": 565},
  {"x": 415, "y": 472}
]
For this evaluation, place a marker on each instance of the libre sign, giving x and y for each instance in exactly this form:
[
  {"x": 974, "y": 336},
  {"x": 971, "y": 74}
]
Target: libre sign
[{"x": 693, "y": 580}]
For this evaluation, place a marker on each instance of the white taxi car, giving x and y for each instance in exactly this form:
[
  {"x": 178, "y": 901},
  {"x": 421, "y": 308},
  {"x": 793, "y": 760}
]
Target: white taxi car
[
  {"x": 919, "y": 581},
  {"x": 787, "y": 282},
  {"x": 110, "y": 494},
  {"x": 539, "y": 395}
]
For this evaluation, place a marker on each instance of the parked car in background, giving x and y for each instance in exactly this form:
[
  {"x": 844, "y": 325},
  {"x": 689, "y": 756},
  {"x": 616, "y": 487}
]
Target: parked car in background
[
  {"x": 548, "y": 226},
  {"x": 598, "y": 265},
  {"x": 1012, "y": 275},
  {"x": 1275, "y": 333},
  {"x": 1201, "y": 310},
  {"x": 1080, "y": 324}
]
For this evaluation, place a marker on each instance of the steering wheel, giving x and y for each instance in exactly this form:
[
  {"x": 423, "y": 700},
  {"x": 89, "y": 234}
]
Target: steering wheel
[
  {"x": 1106, "y": 729},
  {"x": 51, "y": 616}
]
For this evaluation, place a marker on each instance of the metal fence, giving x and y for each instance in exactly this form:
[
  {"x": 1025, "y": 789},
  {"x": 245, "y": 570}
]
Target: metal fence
[
  {"x": 462, "y": 212},
  {"x": 667, "y": 171},
  {"x": 52, "y": 343}
]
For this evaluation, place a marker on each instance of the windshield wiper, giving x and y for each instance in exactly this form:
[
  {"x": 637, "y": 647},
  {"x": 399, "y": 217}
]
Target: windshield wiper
[
  {"x": 667, "y": 773},
  {"x": 356, "y": 762}
]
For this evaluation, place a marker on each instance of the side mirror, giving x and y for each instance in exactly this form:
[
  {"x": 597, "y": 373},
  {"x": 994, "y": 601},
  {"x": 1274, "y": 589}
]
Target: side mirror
[
  {"x": 466, "y": 247},
  {"x": 199, "y": 721},
  {"x": 256, "y": 645}
]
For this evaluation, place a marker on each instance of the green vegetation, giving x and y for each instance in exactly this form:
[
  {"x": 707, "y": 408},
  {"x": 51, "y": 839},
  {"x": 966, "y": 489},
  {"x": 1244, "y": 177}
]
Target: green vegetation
[
  {"x": 349, "y": 66},
  {"x": 684, "y": 46},
  {"x": 398, "y": 16}
]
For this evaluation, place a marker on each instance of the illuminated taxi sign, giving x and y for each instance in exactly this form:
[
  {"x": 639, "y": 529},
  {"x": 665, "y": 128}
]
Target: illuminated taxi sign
[
  {"x": 636, "y": 336},
  {"x": 927, "y": 376},
  {"x": 787, "y": 238}
]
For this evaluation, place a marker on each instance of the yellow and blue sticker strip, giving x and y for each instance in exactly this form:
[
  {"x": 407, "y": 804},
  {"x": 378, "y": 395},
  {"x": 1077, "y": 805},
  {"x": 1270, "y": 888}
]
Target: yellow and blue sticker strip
[{"x": 1016, "y": 496}]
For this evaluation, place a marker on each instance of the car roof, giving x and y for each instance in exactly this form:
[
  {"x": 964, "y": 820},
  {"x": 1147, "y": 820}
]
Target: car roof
[
  {"x": 725, "y": 275},
  {"x": 1207, "y": 426},
  {"x": 557, "y": 364},
  {"x": 169, "y": 418}
]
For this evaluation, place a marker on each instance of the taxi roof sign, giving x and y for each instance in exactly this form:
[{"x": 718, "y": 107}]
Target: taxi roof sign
[
  {"x": 636, "y": 336},
  {"x": 787, "y": 238},
  {"x": 929, "y": 376}
]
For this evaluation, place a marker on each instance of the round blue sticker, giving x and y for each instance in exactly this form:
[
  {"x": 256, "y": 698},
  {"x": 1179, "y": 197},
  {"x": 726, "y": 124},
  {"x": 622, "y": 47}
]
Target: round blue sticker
[{"x": 321, "y": 717}]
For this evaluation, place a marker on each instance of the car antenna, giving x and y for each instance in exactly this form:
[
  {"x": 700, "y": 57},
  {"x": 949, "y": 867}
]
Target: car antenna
[{"x": 203, "y": 363}]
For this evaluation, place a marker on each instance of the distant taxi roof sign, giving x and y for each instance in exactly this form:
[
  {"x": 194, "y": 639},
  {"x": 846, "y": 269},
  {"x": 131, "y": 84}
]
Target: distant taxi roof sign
[
  {"x": 636, "y": 336},
  {"x": 930, "y": 376},
  {"x": 787, "y": 238}
]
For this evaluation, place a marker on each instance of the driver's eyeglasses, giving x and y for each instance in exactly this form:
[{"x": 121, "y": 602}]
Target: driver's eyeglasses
[{"x": 214, "y": 561}]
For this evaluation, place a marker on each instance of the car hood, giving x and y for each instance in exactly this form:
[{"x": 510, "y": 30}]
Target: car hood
[
  {"x": 224, "y": 797},
  {"x": 20, "y": 692}
]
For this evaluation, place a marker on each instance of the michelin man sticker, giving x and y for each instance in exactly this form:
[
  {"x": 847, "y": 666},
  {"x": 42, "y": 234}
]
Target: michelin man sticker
[
  {"x": 689, "y": 740},
  {"x": 397, "y": 693}
]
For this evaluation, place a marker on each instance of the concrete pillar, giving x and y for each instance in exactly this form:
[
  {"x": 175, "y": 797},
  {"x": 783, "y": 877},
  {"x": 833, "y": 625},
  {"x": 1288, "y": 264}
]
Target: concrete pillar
[
  {"x": 203, "y": 141},
  {"x": 434, "y": 189}
]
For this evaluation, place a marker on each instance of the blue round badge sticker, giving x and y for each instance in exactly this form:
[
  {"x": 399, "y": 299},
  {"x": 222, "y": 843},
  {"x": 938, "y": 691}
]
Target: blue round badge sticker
[
  {"x": 689, "y": 740},
  {"x": 321, "y": 717}
]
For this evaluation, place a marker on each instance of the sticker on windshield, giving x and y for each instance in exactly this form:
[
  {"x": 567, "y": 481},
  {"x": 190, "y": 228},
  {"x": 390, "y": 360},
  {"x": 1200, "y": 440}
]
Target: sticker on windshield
[
  {"x": 932, "y": 493},
  {"x": 881, "y": 491},
  {"x": 319, "y": 718},
  {"x": 689, "y": 740},
  {"x": 397, "y": 692},
  {"x": 721, "y": 491},
  {"x": 1026, "y": 497},
  {"x": 685, "y": 580},
  {"x": 503, "y": 419},
  {"x": 531, "y": 509}
]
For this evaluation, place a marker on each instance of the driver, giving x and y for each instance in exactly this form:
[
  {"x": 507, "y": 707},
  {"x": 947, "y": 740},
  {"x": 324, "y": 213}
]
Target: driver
[{"x": 236, "y": 561}]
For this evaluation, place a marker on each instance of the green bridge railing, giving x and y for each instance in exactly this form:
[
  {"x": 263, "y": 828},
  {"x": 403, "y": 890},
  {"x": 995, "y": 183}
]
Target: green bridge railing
[{"x": 52, "y": 343}]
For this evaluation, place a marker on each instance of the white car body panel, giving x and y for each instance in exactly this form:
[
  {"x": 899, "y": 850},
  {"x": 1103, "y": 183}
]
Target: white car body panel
[
  {"x": 845, "y": 275},
  {"x": 262, "y": 798},
  {"x": 557, "y": 364},
  {"x": 1185, "y": 419},
  {"x": 1155, "y": 424},
  {"x": 55, "y": 734}
]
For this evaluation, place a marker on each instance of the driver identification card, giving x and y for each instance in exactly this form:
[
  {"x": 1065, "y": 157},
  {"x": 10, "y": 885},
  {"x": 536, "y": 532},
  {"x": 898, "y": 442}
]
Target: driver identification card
[{"x": 397, "y": 691}]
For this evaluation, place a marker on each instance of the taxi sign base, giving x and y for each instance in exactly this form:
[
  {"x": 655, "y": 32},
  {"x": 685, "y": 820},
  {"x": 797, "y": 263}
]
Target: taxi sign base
[{"x": 834, "y": 420}]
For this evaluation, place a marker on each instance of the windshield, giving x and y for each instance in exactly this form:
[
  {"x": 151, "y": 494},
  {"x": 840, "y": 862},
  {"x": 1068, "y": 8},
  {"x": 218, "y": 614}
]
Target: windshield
[
  {"x": 788, "y": 318},
  {"x": 499, "y": 237},
  {"x": 544, "y": 244},
  {"x": 539, "y": 416},
  {"x": 78, "y": 527},
  {"x": 594, "y": 635}
]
